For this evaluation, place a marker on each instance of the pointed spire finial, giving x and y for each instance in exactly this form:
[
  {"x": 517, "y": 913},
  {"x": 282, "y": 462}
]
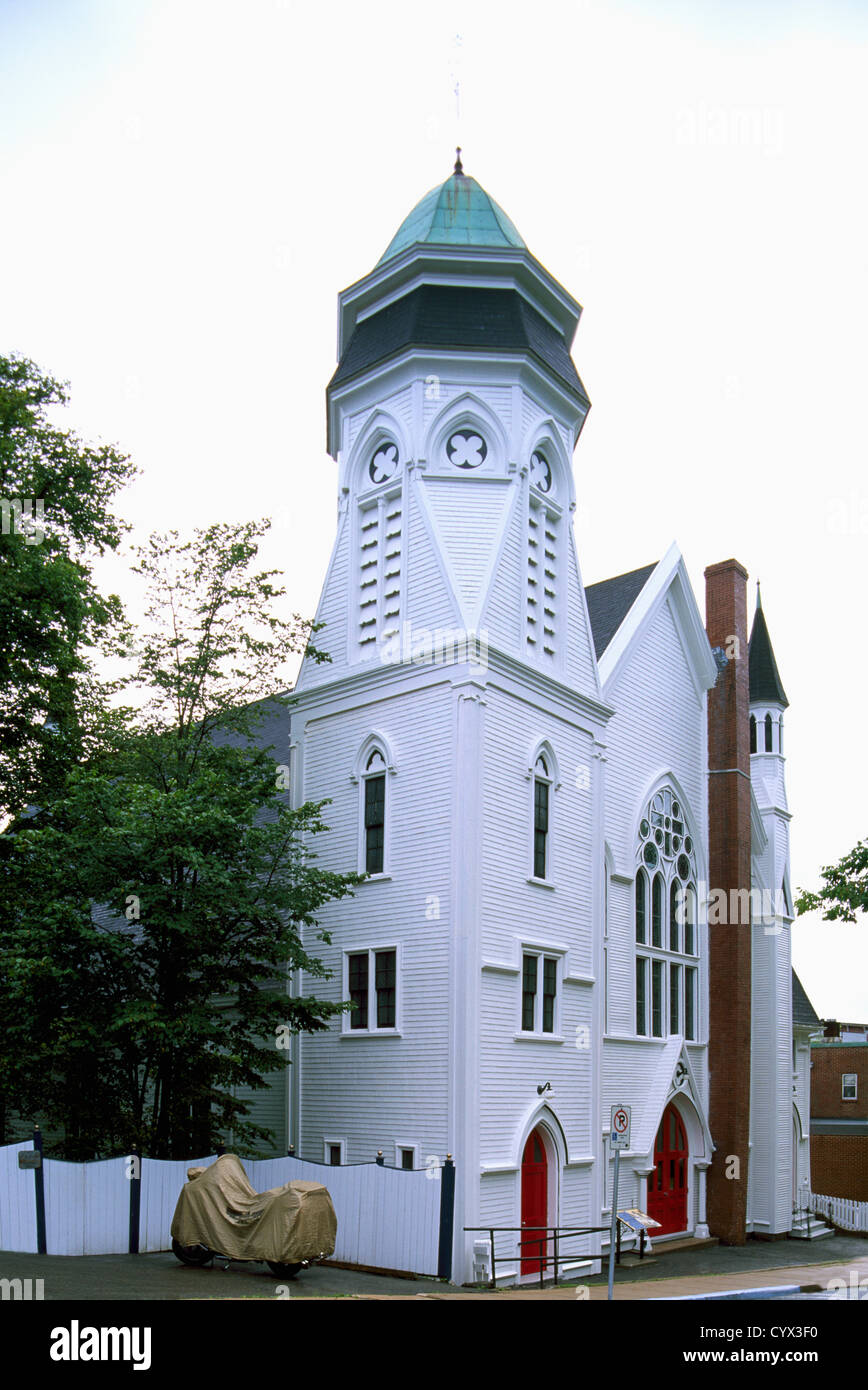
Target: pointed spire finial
[
  {"x": 459, "y": 167},
  {"x": 759, "y": 601}
]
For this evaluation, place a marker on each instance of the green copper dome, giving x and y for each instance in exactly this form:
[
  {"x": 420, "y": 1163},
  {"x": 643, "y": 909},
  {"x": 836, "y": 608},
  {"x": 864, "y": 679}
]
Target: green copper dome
[{"x": 456, "y": 213}]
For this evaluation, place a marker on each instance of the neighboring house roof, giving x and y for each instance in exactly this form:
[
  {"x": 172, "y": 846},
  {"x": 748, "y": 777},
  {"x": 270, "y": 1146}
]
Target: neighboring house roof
[
  {"x": 458, "y": 212},
  {"x": 803, "y": 1010},
  {"x": 765, "y": 681},
  {"x": 610, "y": 601},
  {"x": 456, "y": 317}
]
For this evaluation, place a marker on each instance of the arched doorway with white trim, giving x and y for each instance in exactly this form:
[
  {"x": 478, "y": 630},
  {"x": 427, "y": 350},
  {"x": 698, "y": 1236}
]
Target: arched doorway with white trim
[
  {"x": 669, "y": 1180},
  {"x": 677, "y": 1164},
  {"x": 541, "y": 1158}
]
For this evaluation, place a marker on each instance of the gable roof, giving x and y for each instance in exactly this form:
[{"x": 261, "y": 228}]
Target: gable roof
[
  {"x": 803, "y": 1010},
  {"x": 610, "y": 601}
]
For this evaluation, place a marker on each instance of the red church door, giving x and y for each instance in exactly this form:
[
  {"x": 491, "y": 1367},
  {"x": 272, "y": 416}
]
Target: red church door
[
  {"x": 667, "y": 1185},
  {"x": 534, "y": 1201}
]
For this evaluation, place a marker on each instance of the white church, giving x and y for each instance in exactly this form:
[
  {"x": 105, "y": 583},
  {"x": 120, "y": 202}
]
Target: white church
[{"x": 567, "y": 800}]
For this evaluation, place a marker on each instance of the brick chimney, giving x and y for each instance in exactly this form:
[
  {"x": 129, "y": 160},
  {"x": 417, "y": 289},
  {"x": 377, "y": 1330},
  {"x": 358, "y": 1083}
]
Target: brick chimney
[{"x": 729, "y": 868}]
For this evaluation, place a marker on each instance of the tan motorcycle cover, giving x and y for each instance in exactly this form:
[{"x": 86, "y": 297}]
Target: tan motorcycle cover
[{"x": 218, "y": 1208}]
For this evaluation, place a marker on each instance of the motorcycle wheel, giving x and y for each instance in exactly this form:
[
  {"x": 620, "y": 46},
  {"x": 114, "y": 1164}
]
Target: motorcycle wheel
[
  {"x": 283, "y": 1271},
  {"x": 196, "y": 1255}
]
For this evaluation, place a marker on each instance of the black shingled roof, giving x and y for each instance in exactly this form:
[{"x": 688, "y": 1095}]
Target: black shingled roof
[
  {"x": 610, "y": 601},
  {"x": 765, "y": 683},
  {"x": 803, "y": 1010},
  {"x": 454, "y": 316}
]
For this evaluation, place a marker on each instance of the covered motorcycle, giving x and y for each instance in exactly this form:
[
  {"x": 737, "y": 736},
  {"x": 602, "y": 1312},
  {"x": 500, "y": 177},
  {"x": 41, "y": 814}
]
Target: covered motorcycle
[{"x": 218, "y": 1212}]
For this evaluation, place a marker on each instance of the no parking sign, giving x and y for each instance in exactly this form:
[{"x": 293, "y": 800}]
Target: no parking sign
[{"x": 620, "y": 1127}]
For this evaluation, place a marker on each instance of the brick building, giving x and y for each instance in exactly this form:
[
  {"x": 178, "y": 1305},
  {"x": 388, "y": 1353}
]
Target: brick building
[{"x": 839, "y": 1118}]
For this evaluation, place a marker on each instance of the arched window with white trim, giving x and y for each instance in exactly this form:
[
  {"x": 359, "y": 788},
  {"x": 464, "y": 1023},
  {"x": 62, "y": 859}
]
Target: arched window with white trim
[
  {"x": 374, "y": 781},
  {"x": 542, "y": 783},
  {"x": 372, "y": 773}
]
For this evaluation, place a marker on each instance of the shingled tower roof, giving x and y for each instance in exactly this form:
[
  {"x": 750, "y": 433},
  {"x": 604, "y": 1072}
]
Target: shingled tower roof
[{"x": 765, "y": 681}]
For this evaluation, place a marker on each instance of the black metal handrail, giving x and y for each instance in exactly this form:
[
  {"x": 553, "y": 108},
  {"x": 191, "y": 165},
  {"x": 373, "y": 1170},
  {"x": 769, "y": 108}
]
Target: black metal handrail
[{"x": 555, "y": 1233}]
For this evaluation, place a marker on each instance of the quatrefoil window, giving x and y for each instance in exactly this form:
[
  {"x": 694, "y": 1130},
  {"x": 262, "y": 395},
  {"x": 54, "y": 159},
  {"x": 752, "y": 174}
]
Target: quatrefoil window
[
  {"x": 384, "y": 463},
  {"x": 466, "y": 449}
]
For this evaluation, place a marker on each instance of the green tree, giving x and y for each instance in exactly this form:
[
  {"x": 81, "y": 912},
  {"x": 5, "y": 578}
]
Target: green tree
[
  {"x": 55, "y": 506},
  {"x": 143, "y": 1017},
  {"x": 844, "y": 888}
]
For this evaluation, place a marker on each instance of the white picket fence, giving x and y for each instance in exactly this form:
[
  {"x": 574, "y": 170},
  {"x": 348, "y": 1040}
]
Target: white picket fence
[
  {"x": 387, "y": 1218},
  {"x": 840, "y": 1211}
]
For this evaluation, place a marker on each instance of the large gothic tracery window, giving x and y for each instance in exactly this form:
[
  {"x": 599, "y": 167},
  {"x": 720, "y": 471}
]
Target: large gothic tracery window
[{"x": 666, "y": 931}]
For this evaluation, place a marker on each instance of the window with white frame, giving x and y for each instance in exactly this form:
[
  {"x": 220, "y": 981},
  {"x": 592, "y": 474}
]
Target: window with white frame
[
  {"x": 849, "y": 1085},
  {"x": 665, "y": 922},
  {"x": 374, "y": 812},
  {"x": 334, "y": 1151},
  {"x": 540, "y": 974},
  {"x": 542, "y": 787},
  {"x": 371, "y": 984}
]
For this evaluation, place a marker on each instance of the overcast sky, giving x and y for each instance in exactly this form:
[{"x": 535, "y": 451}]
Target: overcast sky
[{"x": 187, "y": 186}]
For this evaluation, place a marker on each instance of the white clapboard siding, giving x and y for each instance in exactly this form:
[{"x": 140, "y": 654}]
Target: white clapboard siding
[
  {"x": 849, "y": 1215},
  {"x": 162, "y": 1181},
  {"x": 17, "y": 1201},
  {"x": 87, "y": 1207}
]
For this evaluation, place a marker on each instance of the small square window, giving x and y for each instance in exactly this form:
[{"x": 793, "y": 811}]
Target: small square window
[
  {"x": 407, "y": 1159},
  {"x": 334, "y": 1150}
]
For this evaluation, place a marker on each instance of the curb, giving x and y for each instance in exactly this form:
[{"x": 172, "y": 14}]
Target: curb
[{"x": 772, "y": 1291}]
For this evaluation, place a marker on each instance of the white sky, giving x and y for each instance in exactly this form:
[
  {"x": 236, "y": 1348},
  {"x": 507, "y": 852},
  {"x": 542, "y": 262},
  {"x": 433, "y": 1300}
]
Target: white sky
[{"x": 188, "y": 185}]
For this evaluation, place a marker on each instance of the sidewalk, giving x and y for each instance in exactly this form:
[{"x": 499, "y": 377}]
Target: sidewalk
[
  {"x": 661, "y": 1287},
  {"x": 756, "y": 1265}
]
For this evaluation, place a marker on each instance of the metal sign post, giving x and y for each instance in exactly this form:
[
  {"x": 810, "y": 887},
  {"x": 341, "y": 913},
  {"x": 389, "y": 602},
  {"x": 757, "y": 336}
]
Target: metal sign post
[{"x": 619, "y": 1131}]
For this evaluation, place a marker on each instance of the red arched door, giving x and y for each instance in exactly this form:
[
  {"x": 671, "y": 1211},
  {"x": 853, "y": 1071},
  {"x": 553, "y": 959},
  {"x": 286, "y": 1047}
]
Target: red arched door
[
  {"x": 534, "y": 1200},
  {"x": 667, "y": 1185}
]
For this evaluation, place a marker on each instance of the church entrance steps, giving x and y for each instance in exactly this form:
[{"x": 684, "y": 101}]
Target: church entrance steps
[{"x": 813, "y": 1229}]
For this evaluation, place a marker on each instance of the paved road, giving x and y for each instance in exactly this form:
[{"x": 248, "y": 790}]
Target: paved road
[{"x": 160, "y": 1276}]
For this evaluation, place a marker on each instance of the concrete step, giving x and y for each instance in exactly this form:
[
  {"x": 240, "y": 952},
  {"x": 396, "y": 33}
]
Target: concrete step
[{"x": 815, "y": 1229}]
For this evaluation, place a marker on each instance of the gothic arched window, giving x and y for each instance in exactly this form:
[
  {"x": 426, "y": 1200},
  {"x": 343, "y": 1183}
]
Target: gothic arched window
[
  {"x": 666, "y": 970},
  {"x": 641, "y": 904},
  {"x": 753, "y": 733},
  {"x": 541, "y": 787},
  {"x": 768, "y": 733},
  {"x": 374, "y": 783}
]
